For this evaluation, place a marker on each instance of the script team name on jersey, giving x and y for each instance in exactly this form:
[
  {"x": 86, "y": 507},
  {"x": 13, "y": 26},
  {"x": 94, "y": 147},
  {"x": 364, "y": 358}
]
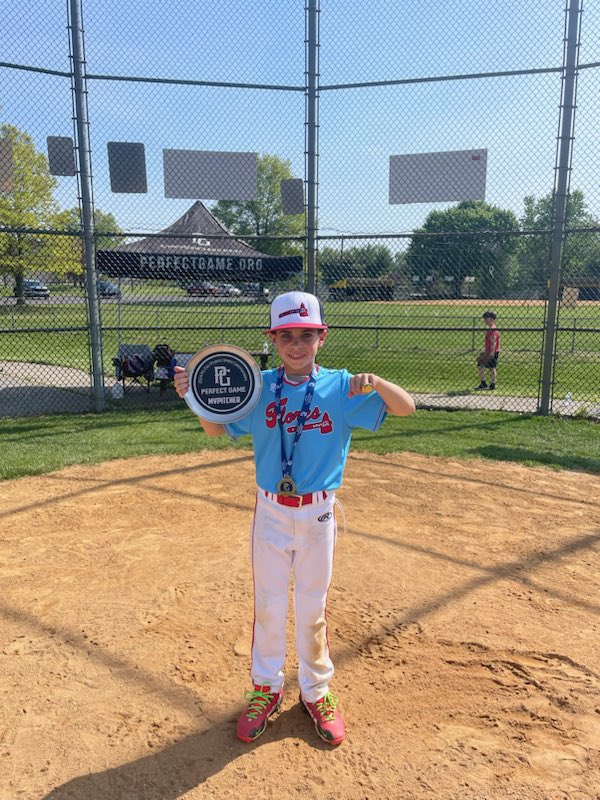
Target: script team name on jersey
[{"x": 314, "y": 418}]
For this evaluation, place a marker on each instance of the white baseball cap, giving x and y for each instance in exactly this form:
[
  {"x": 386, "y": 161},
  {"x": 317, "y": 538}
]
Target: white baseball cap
[{"x": 296, "y": 310}]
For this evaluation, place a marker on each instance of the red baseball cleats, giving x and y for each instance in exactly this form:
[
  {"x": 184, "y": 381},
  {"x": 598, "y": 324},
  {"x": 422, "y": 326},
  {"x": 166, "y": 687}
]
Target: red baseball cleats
[
  {"x": 329, "y": 723},
  {"x": 262, "y": 703}
]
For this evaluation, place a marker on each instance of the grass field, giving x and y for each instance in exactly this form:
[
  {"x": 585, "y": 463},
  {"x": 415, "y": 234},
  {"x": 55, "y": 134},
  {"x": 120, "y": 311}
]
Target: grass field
[
  {"x": 425, "y": 346},
  {"x": 43, "y": 444},
  {"x": 429, "y": 347}
]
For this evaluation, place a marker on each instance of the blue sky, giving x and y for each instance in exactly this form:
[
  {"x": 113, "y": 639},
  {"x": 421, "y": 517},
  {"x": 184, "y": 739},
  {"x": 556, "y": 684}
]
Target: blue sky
[{"x": 515, "y": 118}]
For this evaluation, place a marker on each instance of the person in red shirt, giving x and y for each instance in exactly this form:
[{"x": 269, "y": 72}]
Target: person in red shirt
[{"x": 488, "y": 359}]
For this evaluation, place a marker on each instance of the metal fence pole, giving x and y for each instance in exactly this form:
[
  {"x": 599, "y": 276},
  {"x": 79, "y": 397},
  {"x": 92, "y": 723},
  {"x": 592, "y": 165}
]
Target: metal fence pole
[
  {"x": 561, "y": 190},
  {"x": 87, "y": 212},
  {"x": 312, "y": 103}
]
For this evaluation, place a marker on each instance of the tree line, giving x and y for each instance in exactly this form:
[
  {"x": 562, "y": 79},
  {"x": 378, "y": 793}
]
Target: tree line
[
  {"x": 483, "y": 245},
  {"x": 472, "y": 242},
  {"x": 27, "y": 202}
]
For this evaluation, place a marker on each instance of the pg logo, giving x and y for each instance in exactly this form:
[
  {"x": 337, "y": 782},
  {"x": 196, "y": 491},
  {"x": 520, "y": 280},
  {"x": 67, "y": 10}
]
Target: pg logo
[{"x": 222, "y": 376}]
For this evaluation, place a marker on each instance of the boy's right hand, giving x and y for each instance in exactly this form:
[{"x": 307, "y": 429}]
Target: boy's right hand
[{"x": 181, "y": 381}]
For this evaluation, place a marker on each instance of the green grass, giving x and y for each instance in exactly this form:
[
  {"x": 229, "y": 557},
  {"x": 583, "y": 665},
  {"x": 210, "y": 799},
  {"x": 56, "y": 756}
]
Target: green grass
[
  {"x": 428, "y": 359},
  {"x": 34, "y": 446},
  {"x": 554, "y": 442},
  {"x": 39, "y": 445}
]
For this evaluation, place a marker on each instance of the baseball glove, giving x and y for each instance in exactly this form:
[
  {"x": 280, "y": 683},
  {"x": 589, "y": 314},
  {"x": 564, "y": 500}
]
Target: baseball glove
[{"x": 483, "y": 359}]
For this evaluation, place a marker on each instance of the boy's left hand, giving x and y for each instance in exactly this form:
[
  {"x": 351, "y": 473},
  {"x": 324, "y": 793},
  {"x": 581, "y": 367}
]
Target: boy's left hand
[{"x": 362, "y": 383}]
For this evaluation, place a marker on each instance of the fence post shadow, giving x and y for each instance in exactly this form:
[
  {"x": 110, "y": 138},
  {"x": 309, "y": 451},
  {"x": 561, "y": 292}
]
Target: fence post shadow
[{"x": 180, "y": 767}]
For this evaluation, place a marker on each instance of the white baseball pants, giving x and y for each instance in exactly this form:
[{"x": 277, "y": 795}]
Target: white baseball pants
[{"x": 300, "y": 541}]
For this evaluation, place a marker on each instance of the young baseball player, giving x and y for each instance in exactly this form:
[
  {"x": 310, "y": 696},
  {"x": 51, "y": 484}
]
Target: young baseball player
[
  {"x": 488, "y": 358},
  {"x": 301, "y": 431}
]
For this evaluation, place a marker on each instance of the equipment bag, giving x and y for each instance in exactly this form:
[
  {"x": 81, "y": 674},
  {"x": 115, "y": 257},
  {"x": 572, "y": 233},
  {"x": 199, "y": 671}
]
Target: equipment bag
[{"x": 136, "y": 365}]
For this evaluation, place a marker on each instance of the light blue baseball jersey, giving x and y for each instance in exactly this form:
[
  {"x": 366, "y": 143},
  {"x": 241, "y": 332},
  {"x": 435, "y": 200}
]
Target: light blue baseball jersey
[{"x": 320, "y": 455}]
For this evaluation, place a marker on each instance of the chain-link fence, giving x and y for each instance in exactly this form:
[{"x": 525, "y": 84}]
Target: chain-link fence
[{"x": 165, "y": 172}]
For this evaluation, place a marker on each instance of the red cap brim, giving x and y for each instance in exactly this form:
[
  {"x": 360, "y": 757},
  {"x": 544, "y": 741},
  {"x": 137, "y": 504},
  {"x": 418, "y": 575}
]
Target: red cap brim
[{"x": 306, "y": 325}]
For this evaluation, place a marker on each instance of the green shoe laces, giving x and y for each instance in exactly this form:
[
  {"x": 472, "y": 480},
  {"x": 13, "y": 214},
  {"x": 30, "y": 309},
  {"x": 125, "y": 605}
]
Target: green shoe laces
[
  {"x": 257, "y": 702},
  {"x": 326, "y": 706}
]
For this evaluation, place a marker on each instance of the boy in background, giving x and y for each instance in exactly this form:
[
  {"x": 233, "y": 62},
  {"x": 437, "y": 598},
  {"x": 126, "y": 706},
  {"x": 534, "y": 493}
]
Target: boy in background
[{"x": 488, "y": 359}]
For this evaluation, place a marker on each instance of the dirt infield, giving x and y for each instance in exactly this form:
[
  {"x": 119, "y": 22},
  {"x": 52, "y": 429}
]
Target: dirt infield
[{"x": 464, "y": 623}]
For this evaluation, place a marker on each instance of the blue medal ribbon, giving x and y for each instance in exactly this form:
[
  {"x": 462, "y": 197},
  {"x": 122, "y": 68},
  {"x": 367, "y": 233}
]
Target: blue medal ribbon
[{"x": 286, "y": 462}]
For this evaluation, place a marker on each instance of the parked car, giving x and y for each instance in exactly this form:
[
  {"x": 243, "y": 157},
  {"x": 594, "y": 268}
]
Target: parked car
[
  {"x": 201, "y": 289},
  {"x": 255, "y": 290},
  {"x": 108, "y": 289},
  {"x": 33, "y": 288},
  {"x": 227, "y": 290}
]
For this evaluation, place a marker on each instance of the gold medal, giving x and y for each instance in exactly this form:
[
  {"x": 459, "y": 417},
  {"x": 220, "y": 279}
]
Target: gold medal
[{"x": 286, "y": 486}]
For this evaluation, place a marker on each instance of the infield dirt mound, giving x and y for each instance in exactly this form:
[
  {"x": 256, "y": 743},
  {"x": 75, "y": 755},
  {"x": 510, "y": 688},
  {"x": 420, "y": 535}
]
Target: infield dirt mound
[{"x": 463, "y": 621}]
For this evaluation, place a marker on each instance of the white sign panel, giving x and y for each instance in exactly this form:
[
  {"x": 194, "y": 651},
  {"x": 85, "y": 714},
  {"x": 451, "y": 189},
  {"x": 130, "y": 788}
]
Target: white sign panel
[
  {"x": 210, "y": 175},
  {"x": 448, "y": 176}
]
